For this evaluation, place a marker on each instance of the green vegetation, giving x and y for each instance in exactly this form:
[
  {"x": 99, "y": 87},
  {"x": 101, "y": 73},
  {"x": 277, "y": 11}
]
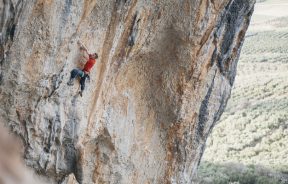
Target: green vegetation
[
  {"x": 253, "y": 131},
  {"x": 237, "y": 174}
]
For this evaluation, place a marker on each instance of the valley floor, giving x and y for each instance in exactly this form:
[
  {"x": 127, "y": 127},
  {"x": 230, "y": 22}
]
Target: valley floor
[{"x": 250, "y": 143}]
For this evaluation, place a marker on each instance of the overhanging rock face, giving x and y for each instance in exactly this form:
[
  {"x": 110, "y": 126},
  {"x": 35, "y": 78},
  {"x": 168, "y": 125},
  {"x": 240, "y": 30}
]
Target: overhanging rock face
[{"x": 162, "y": 80}]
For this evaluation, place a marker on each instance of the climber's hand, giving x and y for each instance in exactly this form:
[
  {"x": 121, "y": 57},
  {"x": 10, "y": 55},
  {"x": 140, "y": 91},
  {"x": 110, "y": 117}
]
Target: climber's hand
[{"x": 82, "y": 46}]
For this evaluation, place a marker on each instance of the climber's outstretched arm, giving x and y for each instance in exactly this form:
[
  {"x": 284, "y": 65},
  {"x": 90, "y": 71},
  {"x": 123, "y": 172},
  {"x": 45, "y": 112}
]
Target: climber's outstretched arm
[{"x": 83, "y": 47}]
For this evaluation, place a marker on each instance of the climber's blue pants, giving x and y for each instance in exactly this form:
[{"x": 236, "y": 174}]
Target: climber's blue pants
[
  {"x": 76, "y": 73},
  {"x": 79, "y": 73}
]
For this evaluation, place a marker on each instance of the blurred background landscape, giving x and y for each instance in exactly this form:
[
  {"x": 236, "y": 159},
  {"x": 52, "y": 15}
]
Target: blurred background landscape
[{"x": 250, "y": 142}]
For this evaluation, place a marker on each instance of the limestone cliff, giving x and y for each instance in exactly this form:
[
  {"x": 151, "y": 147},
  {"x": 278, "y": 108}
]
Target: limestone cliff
[{"x": 162, "y": 80}]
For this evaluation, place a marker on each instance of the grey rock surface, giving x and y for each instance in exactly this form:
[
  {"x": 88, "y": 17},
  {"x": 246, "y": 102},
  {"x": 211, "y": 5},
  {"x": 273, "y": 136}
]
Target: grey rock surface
[{"x": 163, "y": 78}]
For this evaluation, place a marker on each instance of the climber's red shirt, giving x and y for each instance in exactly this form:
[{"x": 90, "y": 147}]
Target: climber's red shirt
[{"x": 89, "y": 64}]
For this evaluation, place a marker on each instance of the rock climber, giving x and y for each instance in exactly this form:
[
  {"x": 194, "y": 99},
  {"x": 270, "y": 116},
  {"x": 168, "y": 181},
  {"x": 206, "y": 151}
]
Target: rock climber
[{"x": 84, "y": 73}]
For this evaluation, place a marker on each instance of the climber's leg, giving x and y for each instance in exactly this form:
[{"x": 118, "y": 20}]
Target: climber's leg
[
  {"x": 74, "y": 73},
  {"x": 82, "y": 84}
]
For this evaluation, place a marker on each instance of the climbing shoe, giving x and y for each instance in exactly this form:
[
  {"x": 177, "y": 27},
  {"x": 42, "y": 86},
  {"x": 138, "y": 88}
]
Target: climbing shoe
[{"x": 80, "y": 93}]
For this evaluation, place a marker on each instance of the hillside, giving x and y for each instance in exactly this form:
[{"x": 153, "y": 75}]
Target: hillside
[{"x": 250, "y": 140}]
